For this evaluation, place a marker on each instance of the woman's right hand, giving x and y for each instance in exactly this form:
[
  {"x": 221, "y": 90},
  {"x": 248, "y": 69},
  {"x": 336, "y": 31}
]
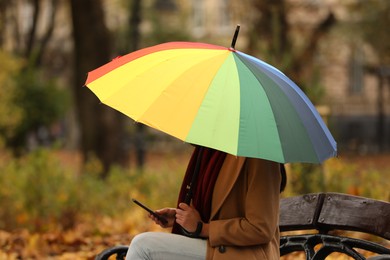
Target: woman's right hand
[{"x": 168, "y": 213}]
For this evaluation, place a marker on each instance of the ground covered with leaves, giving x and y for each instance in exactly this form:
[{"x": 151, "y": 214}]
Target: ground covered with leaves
[{"x": 85, "y": 241}]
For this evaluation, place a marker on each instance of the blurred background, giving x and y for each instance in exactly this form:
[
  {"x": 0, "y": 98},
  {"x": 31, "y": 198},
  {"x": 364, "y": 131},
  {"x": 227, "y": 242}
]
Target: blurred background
[{"x": 69, "y": 165}]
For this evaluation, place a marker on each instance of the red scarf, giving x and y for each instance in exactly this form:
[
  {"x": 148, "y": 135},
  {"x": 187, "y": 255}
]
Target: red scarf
[{"x": 210, "y": 165}]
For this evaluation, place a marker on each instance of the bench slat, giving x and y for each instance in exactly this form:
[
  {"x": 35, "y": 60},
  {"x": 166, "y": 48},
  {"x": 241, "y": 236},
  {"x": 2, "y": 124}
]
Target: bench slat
[
  {"x": 300, "y": 212},
  {"x": 347, "y": 212},
  {"x": 332, "y": 211}
]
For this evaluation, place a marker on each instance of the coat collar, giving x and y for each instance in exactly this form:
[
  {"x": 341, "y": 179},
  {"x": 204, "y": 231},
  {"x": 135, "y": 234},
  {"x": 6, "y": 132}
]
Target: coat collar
[{"x": 228, "y": 175}]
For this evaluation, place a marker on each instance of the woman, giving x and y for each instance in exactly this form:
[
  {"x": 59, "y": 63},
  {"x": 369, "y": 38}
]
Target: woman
[{"x": 233, "y": 215}]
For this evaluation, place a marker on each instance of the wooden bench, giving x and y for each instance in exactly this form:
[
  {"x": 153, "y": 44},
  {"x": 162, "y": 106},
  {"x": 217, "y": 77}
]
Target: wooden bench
[{"x": 319, "y": 219}]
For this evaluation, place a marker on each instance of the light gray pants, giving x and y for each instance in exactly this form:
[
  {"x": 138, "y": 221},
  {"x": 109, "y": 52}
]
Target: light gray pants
[{"x": 166, "y": 246}]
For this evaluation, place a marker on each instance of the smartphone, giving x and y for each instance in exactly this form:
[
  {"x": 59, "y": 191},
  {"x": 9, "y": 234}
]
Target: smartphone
[{"x": 159, "y": 217}]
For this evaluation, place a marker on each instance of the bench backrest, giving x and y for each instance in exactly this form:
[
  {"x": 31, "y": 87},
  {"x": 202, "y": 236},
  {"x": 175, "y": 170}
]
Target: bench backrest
[{"x": 330, "y": 211}]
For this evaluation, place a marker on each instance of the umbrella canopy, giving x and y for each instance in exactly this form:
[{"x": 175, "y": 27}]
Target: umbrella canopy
[{"x": 216, "y": 97}]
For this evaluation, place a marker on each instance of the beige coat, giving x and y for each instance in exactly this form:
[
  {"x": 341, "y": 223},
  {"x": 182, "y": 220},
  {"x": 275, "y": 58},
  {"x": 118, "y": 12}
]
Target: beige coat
[{"x": 245, "y": 210}]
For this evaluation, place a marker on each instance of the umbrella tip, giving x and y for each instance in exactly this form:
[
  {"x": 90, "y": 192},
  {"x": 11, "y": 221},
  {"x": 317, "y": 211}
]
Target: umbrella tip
[{"x": 232, "y": 46}]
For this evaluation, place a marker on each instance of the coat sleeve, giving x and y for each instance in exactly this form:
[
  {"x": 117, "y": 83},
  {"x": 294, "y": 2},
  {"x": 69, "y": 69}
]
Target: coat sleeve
[{"x": 256, "y": 220}]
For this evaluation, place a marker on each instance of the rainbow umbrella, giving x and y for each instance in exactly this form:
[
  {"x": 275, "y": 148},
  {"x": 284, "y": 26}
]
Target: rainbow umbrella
[{"x": 215, "y": 97}]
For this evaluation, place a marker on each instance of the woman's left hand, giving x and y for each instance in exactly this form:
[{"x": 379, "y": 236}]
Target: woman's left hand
[{"x": 187, "y": 217}]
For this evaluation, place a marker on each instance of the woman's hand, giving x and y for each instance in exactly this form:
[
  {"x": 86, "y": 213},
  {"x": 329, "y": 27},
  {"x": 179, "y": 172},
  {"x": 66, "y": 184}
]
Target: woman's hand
[
  {"x": 168, "y": 214},
  {"x": 187, "y": 217}
]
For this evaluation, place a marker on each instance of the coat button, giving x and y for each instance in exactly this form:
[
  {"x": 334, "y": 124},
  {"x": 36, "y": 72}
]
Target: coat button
[{"x": 222, "y": 249}]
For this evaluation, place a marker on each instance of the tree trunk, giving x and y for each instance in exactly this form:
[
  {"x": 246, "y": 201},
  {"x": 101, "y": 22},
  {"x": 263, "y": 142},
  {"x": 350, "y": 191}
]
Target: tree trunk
[
  {"x": 100, "y": 126},
  {"x": 48, "y": 33},
  {"x": 302, "y": 63},
  {"x": 270, "y": 33},
  {"x": 380, "y": 126},
  {"x": 32, "y": 33},
  {"x": 3, "y": 11},
  {"x": 135, "y": 38},
  {"x": 270, "y": 29}
]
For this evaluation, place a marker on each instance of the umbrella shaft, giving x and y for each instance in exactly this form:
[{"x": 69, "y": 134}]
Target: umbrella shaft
[{"x": 233, "y": 45}]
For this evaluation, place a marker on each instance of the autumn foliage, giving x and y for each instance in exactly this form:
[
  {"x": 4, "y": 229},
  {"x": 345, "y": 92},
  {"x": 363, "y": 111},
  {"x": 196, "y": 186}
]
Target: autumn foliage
[{"x": 54, "y": 207}]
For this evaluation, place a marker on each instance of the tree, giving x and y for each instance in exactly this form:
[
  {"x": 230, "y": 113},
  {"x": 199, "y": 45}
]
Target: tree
[
  {"x": 11, "y": 115},
  {"x": 372, "y": 28},
  {"x": 272, "y": 35},
  {"x": 135, "y": 19},
  {"x": 101, "y": 127},
  {"x": 38, "y": 98},
  {"x": 3, "y": 6}
]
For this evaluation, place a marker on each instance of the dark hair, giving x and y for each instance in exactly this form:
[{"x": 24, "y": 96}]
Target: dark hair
[{"x": 283, "y": 183}]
